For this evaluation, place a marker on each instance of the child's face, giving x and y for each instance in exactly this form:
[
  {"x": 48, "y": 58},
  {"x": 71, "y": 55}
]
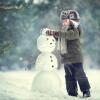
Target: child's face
[
  {"x": 68, "y": 19},
  {"x": 66, "y": 22}
]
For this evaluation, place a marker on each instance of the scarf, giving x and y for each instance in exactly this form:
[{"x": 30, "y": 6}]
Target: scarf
[{"x": 62, "y": 43}]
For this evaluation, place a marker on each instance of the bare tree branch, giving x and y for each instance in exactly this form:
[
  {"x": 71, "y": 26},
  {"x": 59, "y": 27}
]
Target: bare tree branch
[{"x": 9, "y": 7}]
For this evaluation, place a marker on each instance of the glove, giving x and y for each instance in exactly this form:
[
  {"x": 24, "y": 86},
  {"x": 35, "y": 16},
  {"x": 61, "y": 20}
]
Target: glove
[
  {"x": 75, "y": 24},
  {"x": 49, "y": 32},
  {"x": 52, "y": 33}
]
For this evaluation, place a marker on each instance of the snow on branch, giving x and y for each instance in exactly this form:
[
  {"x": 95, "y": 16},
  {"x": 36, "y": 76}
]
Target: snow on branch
[{"x": 9, "y": 7}]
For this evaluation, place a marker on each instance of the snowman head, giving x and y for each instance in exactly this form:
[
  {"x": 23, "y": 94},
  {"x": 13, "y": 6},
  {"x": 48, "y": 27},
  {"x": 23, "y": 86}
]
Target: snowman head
[
  {"x": 46, "y": 43},
  {"x": 46, "y": 62}
]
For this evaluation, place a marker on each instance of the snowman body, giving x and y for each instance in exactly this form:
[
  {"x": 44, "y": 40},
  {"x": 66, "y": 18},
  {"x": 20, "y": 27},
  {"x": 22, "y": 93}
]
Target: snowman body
[
  {"x": 46, "y": 80},
  {"x": 46, "y": 59},
  {"x": 46, "y": 62}
]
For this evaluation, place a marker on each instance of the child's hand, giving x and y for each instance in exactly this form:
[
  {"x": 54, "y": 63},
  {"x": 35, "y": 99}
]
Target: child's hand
[{"x": 49, "y": 32}]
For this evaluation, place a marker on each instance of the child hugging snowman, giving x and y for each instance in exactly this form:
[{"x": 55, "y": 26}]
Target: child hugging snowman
[
  {"x": 46, "y": 81},
  {"x": 68, "y": 39}
]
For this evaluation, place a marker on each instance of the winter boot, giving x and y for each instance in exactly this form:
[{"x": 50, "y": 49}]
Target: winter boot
[
  {"x": 86, "y": 94},
  {"x": 73, "y": 94}
]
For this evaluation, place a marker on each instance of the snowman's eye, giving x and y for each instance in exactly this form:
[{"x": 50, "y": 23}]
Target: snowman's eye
[
  {"x": 47, "y": 38},
  {"x": 52, "y": 39}
]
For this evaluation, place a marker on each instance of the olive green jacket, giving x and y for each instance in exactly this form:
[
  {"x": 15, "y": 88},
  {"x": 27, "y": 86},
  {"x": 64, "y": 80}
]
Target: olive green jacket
[{"x": 70, "y": 46}]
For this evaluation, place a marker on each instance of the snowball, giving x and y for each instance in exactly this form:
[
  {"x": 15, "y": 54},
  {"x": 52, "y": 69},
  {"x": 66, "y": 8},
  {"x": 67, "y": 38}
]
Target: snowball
[
  {"x": 47, "y": 82},
  {"x": 46, "y": 43},
  {"x": 46, "y": 61}
]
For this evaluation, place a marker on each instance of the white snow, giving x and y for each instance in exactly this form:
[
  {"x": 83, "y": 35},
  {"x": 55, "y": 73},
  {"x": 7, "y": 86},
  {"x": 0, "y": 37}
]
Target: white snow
[
  {"x": 47, "y": 82},
  {"x": 40, "y": 1},
  {"x": 21, "y": 58},
  {"x": 17, "y": 85}
]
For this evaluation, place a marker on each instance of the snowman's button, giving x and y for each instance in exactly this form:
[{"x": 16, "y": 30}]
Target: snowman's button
[
  {"x": 46, "y": 62},
  {"x": 50, "y": 56},
  {"x": 52, "y": 66},
  {"x": 51, "y": 60}
]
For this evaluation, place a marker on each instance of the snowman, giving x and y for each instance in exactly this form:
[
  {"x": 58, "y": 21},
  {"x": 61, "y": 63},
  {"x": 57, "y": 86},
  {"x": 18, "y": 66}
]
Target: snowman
[
  {"x": 46, "y": 80},
  {"x": 46, "y": 45}
]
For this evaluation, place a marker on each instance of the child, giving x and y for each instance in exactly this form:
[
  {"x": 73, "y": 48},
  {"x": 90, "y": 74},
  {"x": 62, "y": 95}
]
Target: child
[{"x": 69, "y": 39}]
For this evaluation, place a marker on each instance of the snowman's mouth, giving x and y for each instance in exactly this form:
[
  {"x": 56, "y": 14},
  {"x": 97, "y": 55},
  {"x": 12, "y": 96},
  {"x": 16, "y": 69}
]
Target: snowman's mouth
[{"x": 51, "y": 45}]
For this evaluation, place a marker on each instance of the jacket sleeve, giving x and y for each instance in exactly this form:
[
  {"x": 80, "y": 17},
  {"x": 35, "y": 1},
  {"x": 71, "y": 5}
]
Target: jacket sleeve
[{"x": 73, "y": 34}]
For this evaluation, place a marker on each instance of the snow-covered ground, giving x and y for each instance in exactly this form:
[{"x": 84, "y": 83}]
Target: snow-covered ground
[{"x": 17, "y": 85}]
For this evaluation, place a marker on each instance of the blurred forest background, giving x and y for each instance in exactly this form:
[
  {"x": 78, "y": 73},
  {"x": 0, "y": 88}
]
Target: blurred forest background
[{"x": 22, "y": 20}]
